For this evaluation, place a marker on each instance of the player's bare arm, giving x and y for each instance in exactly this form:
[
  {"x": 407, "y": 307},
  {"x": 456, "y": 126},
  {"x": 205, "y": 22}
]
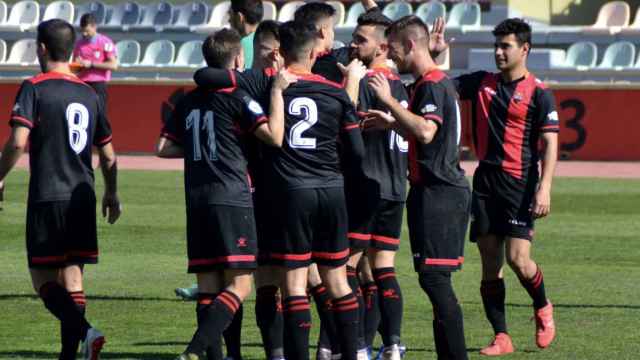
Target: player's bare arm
[
  {"x": 401, "y": 119},
  {"x": 542, "y": 201},
  {"x": 168, "y": 149},
  {"x": 110, "y": 203},
  {"x": 272, "y": 132},
  {"x": 437, "y": 41},
  {"x": 12, "y": 151},
  {"x": 353, "y": 73}
]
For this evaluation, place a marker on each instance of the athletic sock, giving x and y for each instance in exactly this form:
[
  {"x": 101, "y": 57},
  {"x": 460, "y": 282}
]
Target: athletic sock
[
  {"x": 69, "y": 341},
  {"x": 448, "y": 313},
  {"x": 346, "y": 313},
  {"x": 390, "y": 304},
  {"x": 354, "y": 284},
  {"x": 493, "y": 295},
  {"x": 297, "y": 325},
  {"x": 269, "y": 320},
  {"x": 439, "y": 338},
  {"x": 372, "y": 312},
  {"x": 535, "y": 288},
  {"x": 214, "y": 351},
  {"x": 233, "y": 334},
  {"x": 214, "y": 317},
  {"x": 328, "y": 332}
]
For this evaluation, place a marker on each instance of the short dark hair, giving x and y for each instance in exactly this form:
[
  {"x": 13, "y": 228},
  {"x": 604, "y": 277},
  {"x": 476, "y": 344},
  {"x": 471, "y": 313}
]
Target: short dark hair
[
  {"x": 220, "y": 48},
  {"x": 88, "y": 19},
  {"x": 296, "y": 39},
  {"x": 515, "y": 26},
  {"x": 253, "y": 10},
  {"x": 267, "y": 29},
  {"x": 374, "y": 17},
  {"x": 407, "y": 22},
  {"x": 58, "y": 37},
  {"x": 314, "y": 12}
]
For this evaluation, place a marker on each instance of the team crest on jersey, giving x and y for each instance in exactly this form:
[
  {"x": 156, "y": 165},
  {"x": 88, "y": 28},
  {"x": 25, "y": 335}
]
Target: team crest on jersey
[
  {"x": 553, "y": 116},
  {"x": 255, "y": 107},
  {"x": 517, "y": 97},
  {"x": 489, "y": 90},
  {"x": 429, "y": 108},
  {"x": 242, "y": 242}
]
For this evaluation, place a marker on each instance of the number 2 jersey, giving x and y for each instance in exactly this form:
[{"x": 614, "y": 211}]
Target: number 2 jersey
[
  {"x": 211, "y": 127},
  {"x": 66, "y": 119}
]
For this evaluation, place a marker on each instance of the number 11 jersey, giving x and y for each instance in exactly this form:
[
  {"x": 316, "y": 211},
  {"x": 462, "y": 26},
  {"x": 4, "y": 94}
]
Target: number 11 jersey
[{"x": 65, "y": 118}]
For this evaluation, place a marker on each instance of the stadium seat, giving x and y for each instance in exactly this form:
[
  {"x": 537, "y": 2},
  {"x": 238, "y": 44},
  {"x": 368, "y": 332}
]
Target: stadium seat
[
  {"x": 59, "y": 10},
  {"x": 352, "y": 16},
  {"x": 128, "y": 52},
  {"x": 397, "y": 9},
  {"x": 190, "y": 15},
  {"x": 98, "y": 9},
  {"x": 3, "y": 12},
  {"x": 24, "y": 15},
  {"x": 159, "y": 53},
  {"x": 3, "y": 51},
  {"x": 155, "y": 16},
  {"x": 466, "y": 14},
  {"x": 288, "y": 10},
  {"x": 581, "y": 55},
  {"x": 270, "y": 10},
  {"x": 620, "y": 54},
  {"x": 123, "y": 14},
  {"x": 220, "y": 15},
  {"x": 190, "y": 54},
  {"x": 632, "y": 32},
  {"x": 613, "y": 14},
  {"x": 340, "y": 11},
  {"x": 23, "y": 52},
  {"x": 430, "y": 11}
]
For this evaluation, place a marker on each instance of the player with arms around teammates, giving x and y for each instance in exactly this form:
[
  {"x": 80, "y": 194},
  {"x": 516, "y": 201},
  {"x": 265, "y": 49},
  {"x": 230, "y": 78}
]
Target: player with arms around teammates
[
  {"x": 512, "y": 112},
  {"x": 62, "y": 117}
]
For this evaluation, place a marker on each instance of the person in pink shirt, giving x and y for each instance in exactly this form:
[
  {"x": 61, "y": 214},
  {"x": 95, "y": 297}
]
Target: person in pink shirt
[{"x": 96, "y": 56}]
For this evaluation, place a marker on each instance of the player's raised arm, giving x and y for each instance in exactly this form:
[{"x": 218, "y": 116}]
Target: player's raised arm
[
  {"x": 169, "y": 144},
  {"x": 272, "y": 131},
  {"x": 353, "y": 73},
  {"x": 255, "y": 82}
]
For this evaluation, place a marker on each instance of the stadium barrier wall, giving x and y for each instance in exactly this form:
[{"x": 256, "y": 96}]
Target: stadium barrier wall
[{"x": 597, "y": 122}]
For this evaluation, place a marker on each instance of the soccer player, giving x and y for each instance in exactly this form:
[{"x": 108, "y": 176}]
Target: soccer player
[
  {"x": 244, "y": 17},
  {"x": 204, "y": 130},
  {"x": 376, "y": 211},
  {"x": 513, "y": 111},
  {"x": 266, "y": 45},
  {"x": 309, "y": 211},
  {"x": 439, "y": 197},
  {"x": 97, "y": 56},
  {"x": 62, "y": 117}
]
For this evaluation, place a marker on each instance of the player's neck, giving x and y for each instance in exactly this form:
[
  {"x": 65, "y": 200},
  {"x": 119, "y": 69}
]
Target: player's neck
[
  {"x": 379, "y": 62},
  {"x": 59, "y": 67},
  {"x": 514, "y": 74},
  {"x": 298, "y": 68},
  {"x": 423, "y": 65},
  {"x": 248, "y": 29}
]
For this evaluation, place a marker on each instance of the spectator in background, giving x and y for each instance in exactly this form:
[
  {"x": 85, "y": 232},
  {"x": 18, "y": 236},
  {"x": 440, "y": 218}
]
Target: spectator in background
[
  {"x": 244, "y": 17},
  {"x": 96, "y": 55}
]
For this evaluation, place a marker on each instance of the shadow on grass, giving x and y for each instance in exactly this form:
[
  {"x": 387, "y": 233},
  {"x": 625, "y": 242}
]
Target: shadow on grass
[
  {"x": 29, "y": 354},
  {"x": 571, "y": 306},
  {"x": 94, "y": 297}
]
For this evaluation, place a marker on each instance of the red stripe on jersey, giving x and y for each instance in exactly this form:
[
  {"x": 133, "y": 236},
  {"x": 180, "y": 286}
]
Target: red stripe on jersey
[
  {"x": 23, "y": 121},
  {"x": 54, "y": 75},
  {"x": 359, "y": 236},
  {"x": 315, "y": 78},
  {"x": 222, "y": 259},
  {"x": 515, "y": 127},
  {"x": 261, "y": 120},
  {"x": 228, "y": 90},
  {"x": 351, "y": 126},
  {"x": 386, "y": 239},
  {"x": 384, "y": 70},
  {"x": 91, "y": 254},
  {"x": 47, "y": 259},
  {"x": 331, "y": 255},
  {"x": 442, "y": 262},
  {"x": 486, "y": 92},
  {"x": 295, "y": 257},
  {"x": 433, "y": 117}
]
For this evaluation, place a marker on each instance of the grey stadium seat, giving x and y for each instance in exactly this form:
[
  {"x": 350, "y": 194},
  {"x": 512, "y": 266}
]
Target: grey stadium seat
[
  {"x": 3, "y": 51},
  {"x": 128, "y": 52},
  {"x": 97, "y": 8},
  {"x": 397, "y": 9},
  {"x": 23, "y": 16},
  {"x": 159, "y": 53},
  {"x": 3, "y": 12},
  {"x": 190, "y": 15},
  {"x": 155, "y": 16},
  {"x": 190, "y": 54},
  {"x": 583, "y": 54},
  {"x": 430, "y": 11},
  {"x": 464, "y": 14},
  {"x": 619, "y": 54},
  {"x": 23, "y": 52},
  {"x": 59, "y": 10},
  {"x": 123, "y": 14}
]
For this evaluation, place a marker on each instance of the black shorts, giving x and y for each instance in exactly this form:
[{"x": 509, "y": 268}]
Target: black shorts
[
  {"x": 308, "y": 225},
  {"x": 501, "y": 204},
  {"x": 220, "y": 237},
  {"x": 382, "y": 230},
  {"x": 438, "y": 218},
  {"x": 101, "y": 90},
  {"x": 61, "y": 233}
]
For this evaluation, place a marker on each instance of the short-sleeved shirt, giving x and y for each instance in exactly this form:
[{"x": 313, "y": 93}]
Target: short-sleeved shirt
[
  {"x": 66, "y": 118},
  {"x": 433, "y": 97},
  {"x": 98, "y": 49},
  {"x": 326, "y": 64},
  {"x": 386, "y": 151},
  {"x": 210, "y": 127},
  {"x": 508, "y": 119}
]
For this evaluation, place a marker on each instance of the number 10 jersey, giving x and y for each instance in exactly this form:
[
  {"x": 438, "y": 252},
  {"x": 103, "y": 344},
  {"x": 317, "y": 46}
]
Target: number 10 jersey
[{"x": 65, "y": 118}]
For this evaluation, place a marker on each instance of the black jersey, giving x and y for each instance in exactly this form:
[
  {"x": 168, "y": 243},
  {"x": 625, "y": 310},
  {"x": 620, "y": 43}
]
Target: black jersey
[
  {"x": 386, "y": 151},
  {"x": 508, "y": 118},
  {"x": 210, "y": 126},
  {"x": 66, "y": 118},
  {"x": 433, "y": 97},
  {"x": 326, "y": 64}
]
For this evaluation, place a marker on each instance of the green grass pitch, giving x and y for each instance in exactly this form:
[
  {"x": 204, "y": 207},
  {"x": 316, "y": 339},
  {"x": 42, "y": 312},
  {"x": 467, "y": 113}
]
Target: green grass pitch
[{"x": 589, "y": 250}]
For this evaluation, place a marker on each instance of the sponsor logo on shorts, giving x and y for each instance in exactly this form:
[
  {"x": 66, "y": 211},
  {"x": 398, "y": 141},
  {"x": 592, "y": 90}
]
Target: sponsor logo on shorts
[
  {"x": 242, "y": 242},
  {"x": 390, "y": 294},
  {"x": 517, "y": 222},
  {"x": 429, "y": 108},
  {"x": 305, "y": 325}
]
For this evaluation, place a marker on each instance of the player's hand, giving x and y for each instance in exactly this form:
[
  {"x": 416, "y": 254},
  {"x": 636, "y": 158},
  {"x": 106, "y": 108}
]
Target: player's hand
[
  {"x": 111, "y": 208},
  {"x": 380, "y": 86},
  {"x": 376, "y": 119},
  {"x": 541, "y": 203},
  {"x": 85, "y": 63},
  {"x": 277, "y": 61},
  {"x": 283, "y": 80},
  {"x": 355, "y": 69},
  {"x": 437, "y": 42}
]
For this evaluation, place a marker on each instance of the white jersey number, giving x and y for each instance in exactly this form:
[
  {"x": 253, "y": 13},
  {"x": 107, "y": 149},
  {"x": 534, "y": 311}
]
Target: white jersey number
[
  {"x": 78, "y": 122},
  {"x": 193, "y": 122},
  {"x": 306, "y": 107},
  {"x": 395, "y": 138}
]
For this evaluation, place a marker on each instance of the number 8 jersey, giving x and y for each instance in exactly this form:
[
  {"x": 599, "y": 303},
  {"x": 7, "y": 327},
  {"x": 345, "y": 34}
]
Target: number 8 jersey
[{"x": 65, "y": 118}]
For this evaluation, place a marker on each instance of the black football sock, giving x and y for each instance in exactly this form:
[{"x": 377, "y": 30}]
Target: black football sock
[
  {"x": 233, "y": 333},
  {"x": 69, "y": 341},
  {"x": 269, "y": 320},
  {"x": 297, "y": 325},
  {"x": 346, "y": 313},
  {"x": 535, "y": 288},
  {"x": 448, "y": 313},
  {"x": 493, "y": 294},
  {"x": 372, "y": 312},
  {"x": 440, "y": 339},
  {"x": 354, "y": 284},
  {"x": 214, "y": 351},
  {"x": 214, "y": 318},
  {"x": 390, "y": 304},
  {"x": 328, "y": 333}
]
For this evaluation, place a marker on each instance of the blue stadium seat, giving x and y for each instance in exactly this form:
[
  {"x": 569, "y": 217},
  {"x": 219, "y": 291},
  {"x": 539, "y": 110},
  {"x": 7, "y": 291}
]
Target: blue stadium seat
[
  {"x": 620, "y": 54},
  {"x": 190, "y": 15},
  {"x": 159, "y": 53},
  {"x": 122, "y": 15},
  {"x": 581, "y": 55},
  {"x": 430, "y": 11},
  {"x": 3, "y": 51},
  {"x": 190, "y": 54},
  {"x": 155, "y": 16},
  {"x": 352, "y": 16},
  {"x": 288, "y": 10},
  {"x": 466, "y": 14},
  {"x": 97, "y": 8},
  {"x": 128, "y": 52},
  {"x": 397, "y": 9}
]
